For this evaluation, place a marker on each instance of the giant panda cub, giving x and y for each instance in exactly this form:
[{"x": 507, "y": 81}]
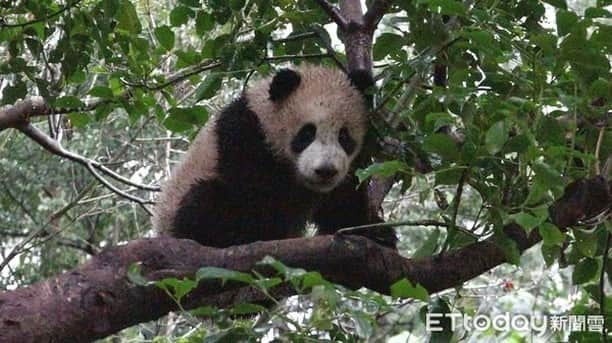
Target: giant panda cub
[{"x": 276, "y": 157}]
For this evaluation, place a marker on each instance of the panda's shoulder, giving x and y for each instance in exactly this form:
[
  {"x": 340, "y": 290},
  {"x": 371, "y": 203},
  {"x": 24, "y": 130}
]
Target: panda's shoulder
[{"x": 237, "y": 120}]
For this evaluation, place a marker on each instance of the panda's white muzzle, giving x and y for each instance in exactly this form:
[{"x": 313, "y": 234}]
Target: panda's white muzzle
[{"x": 322, "y": 166}]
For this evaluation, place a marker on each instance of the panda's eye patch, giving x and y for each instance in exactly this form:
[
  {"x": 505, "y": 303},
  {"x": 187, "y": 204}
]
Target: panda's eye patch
[
  {"x": 304, "y": 137},
  {"x": 346, "y": 141}
]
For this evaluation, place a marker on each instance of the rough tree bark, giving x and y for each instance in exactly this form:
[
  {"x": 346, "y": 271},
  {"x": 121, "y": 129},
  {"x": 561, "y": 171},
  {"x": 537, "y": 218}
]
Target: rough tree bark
[{"x": 96, "y": 299}]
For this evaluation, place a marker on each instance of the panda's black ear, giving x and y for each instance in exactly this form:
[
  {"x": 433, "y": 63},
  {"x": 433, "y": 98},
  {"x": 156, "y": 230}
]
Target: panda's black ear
[{"x": 283, "y": 84}]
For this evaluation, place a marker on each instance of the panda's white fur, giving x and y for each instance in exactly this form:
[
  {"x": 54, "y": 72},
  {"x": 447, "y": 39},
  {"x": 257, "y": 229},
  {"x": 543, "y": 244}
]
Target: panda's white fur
[
  {"x": 324, "y": 97},
  {"x": 232, "y": 188}
]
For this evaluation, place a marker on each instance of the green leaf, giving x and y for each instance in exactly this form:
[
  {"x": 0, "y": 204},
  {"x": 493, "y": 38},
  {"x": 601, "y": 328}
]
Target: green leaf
[
  {"x": 511, "y": 251},
  {"x": 10, "y": 94},
  {"x": 442, "y": 145},
  {"x": 68, "y": 102},
  {"x": 448, "y": 176},
  {"x": 223, "y": 274},
  {"x": 78, "y": 77},
  {"x": 496, "y": 137},
  {"x": 585, "y": 270},
  {"x": 597, "y": 12},
  {"x": 526, "y": 220},
  {"x": 404, "y": 289},
  {"x": 518, "y": 144},
  {"x": 600, "y": 88},
  {"x": 134, "y": 274},
  {"x": 176, "y": 126},
  {"x": 181, "y": 119},
  {"x": 128, "y": 18},
  {"x": 483, "y": 40},
  {"x": 101, "y": 92},
  {"x": 550, "y": 253},
  {"x": 196, "y": 115},
  {"x": 204, "y": 23},
  {"x": 547, "y": 175},
  {"x": 79, "y": 119},
  {"x": 565, "y": 21},
  {"x": 586, "y": 242},
  {"x": 236, "y": 5},
  {"x": 551, "y": 235},
  {"x": 208, "y": 88},
  {"x": 386, "y": 44},
  {"x": 178, "y": 288},
  {"x": 110, "y": 8},
  {"x": 180, "y": 15},
  {"x": 434, "y": 121},
  {"x": 165, "y": 37},
  {"x": 447, "y": 7},
  {"x": 312, "y": 279},
  {"x": 267, "y": 283},
  {"x": 557, "y": 3},
  {"x": 204, "y": 311},
  {"x": 385, "y": 169}
]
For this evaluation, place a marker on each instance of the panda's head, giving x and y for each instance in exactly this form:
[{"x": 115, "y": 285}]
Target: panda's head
[{"x": 315, "y": 118}]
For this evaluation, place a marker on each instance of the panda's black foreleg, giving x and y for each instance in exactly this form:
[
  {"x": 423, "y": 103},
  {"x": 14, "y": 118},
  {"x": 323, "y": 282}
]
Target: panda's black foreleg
[{"x": 347, "y": 206}]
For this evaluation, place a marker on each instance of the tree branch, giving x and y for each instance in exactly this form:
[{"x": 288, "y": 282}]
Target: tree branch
[
  {"x": 178, "y": 76},
  {"x": 334, "y": 13},
  {"x": 12, "y": 116},
  {"x": 4, "y": 24},
  {"x": 100, "y": 289},
  {"x": 375, "y": 12},
  {"x": 54, "y": 147}
]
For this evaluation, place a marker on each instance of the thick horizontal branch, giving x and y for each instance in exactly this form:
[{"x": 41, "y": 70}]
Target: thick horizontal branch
[
  {"x": 13, "y": 116},
  {"x": 21, "y": 112},
  {"x": 100, "y": 289}
]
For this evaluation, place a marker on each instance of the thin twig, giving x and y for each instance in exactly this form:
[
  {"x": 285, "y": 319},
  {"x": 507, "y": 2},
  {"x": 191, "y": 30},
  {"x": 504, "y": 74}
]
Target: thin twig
[
  {"x": 55, "y": 148},
  {"x": 598, "y": 148},
  {"x": 23, "y": 207},
  {"x": 178, "y": 77},
  {"x": 296, "y": 36},
  {"x": 108, "y": 185},
  {"x": 3, "y": 24}
]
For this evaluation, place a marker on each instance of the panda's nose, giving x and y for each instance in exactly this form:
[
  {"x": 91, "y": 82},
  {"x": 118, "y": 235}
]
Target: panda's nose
[{"x": 326, "y": 172}]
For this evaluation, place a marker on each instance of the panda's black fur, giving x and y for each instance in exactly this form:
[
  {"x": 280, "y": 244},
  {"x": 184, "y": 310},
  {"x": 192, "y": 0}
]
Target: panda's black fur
[{"x": 250, "y": 191}]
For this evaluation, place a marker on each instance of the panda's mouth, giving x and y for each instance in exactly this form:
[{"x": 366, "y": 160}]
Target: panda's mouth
[{"x": 321, "y": 186}]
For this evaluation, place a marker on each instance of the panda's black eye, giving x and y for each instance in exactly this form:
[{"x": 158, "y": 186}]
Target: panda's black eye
[
  {"x": 346, "y": 141},
  {"x": 304, "y": 137}
]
